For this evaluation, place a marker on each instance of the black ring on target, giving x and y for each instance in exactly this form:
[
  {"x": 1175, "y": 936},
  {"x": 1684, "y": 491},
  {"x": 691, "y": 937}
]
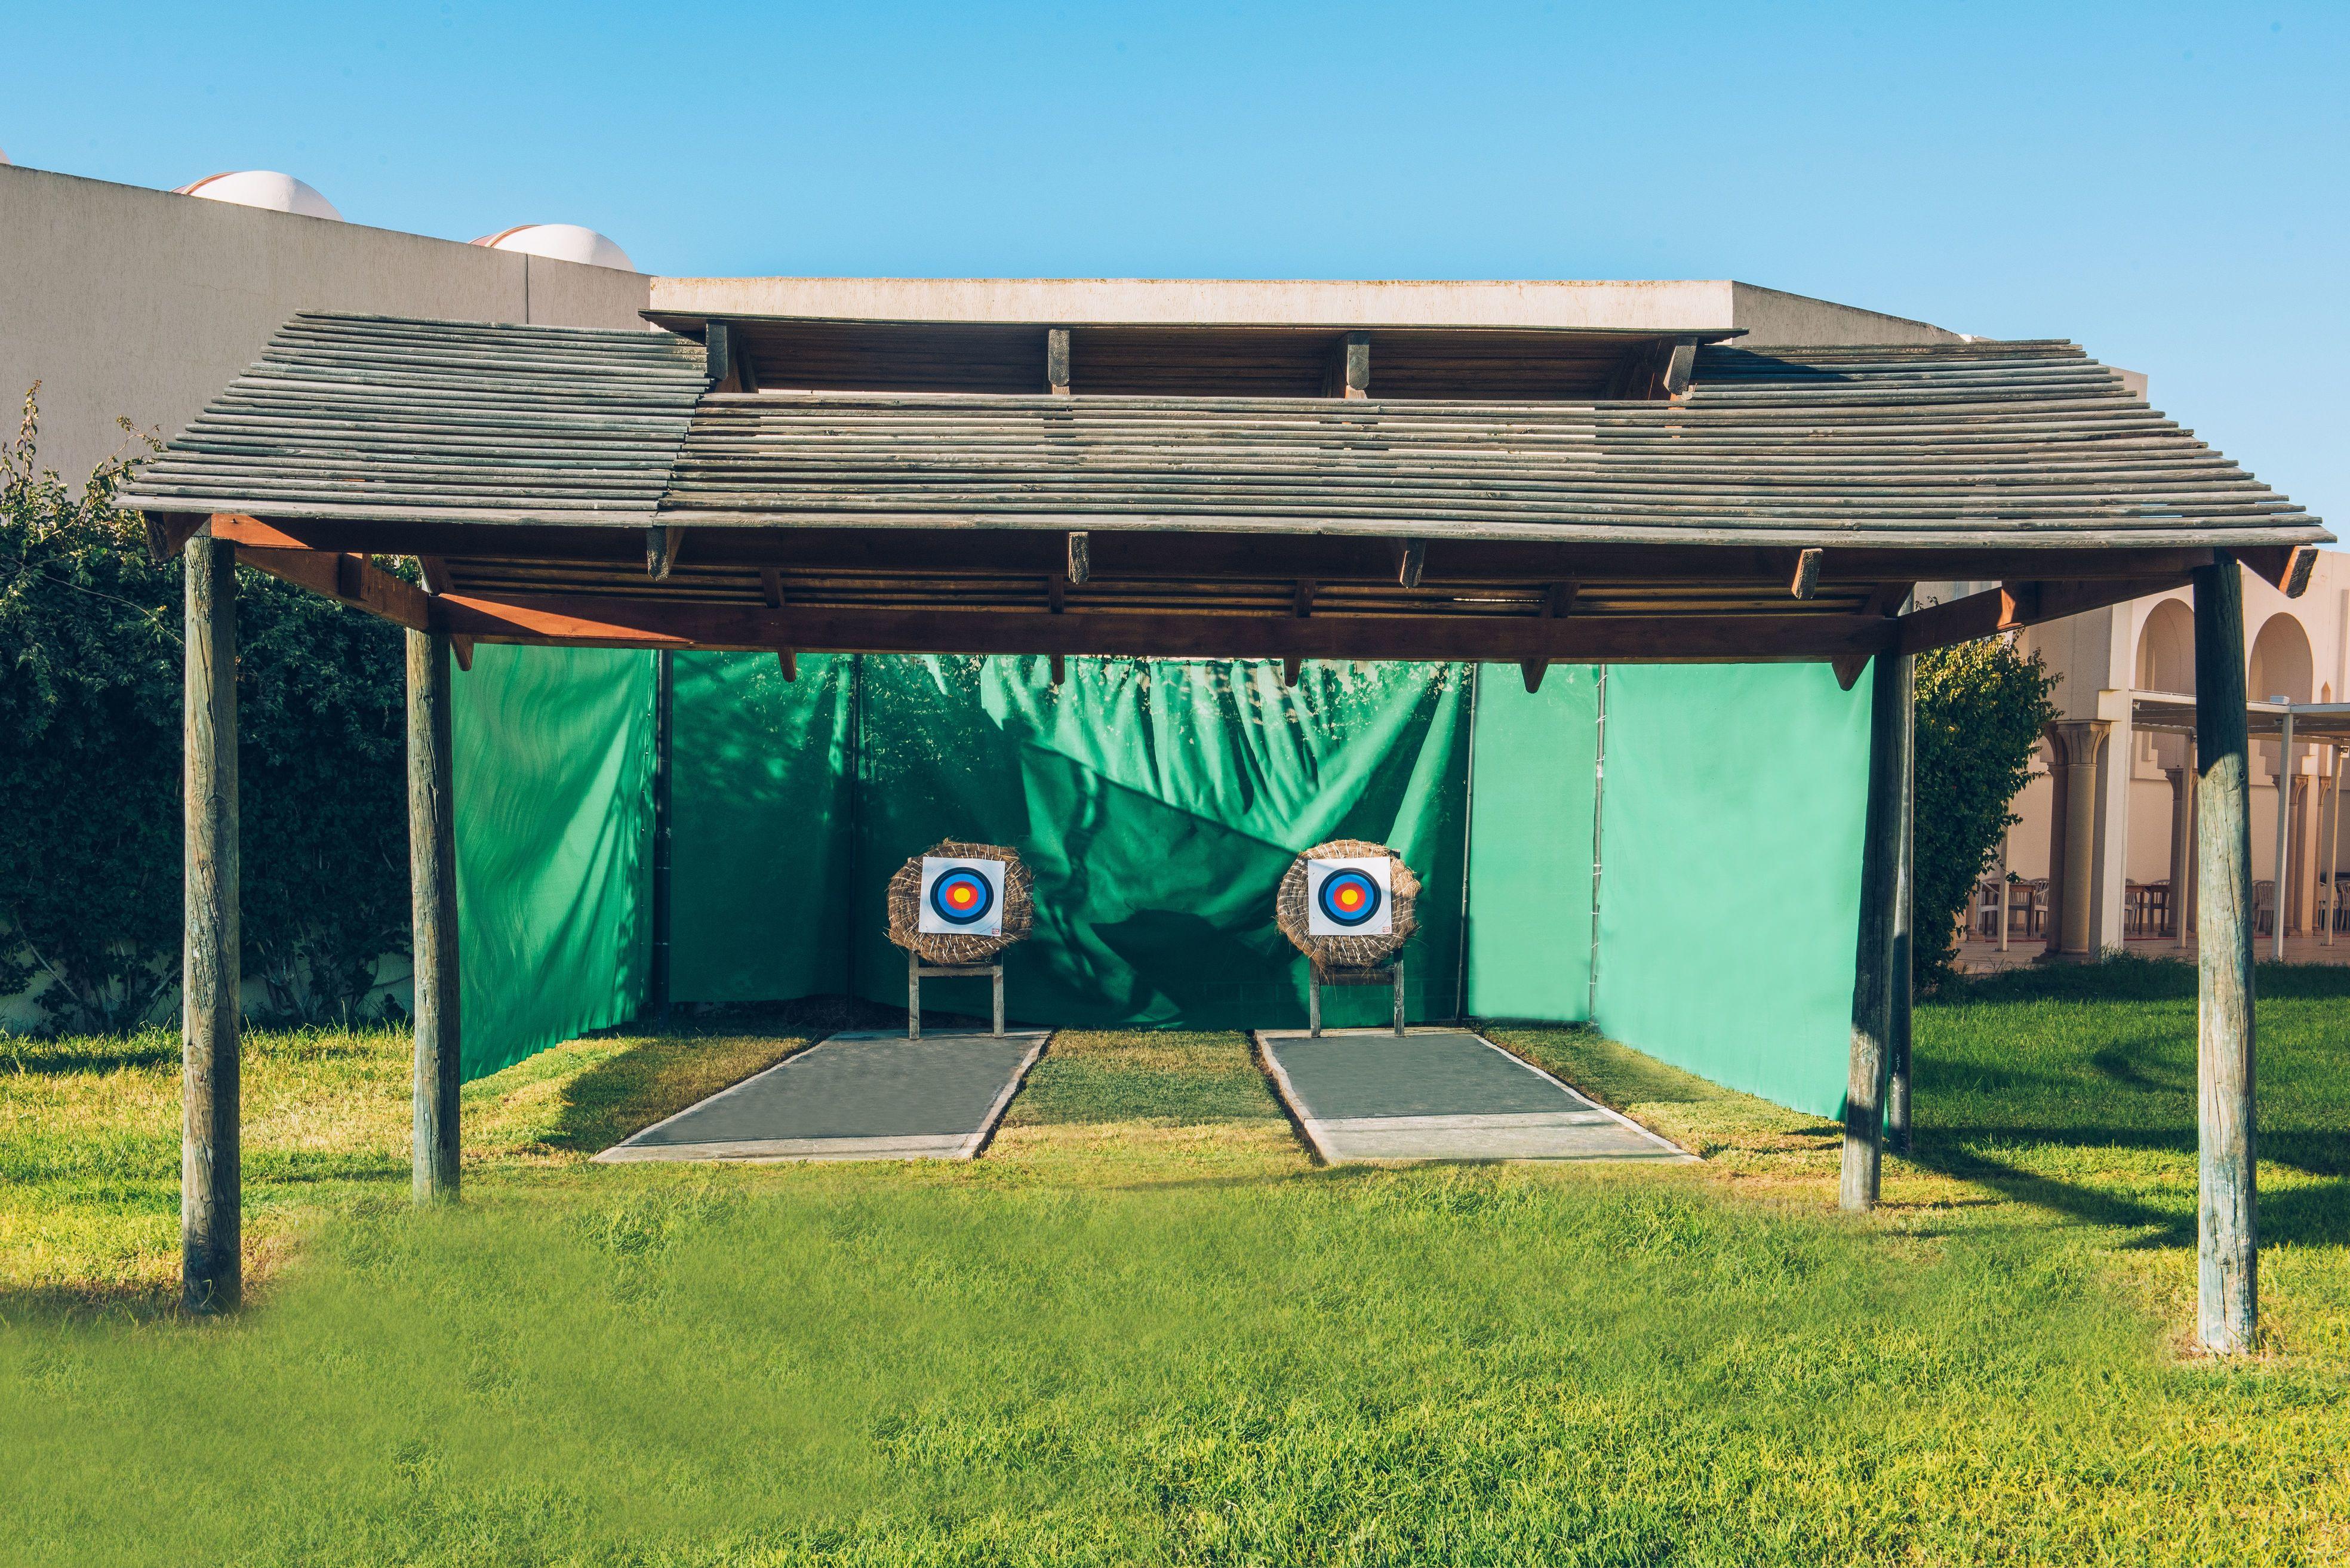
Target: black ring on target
[
  {"x": 961, "y": 897},
  {"x": 1348, "y": 898}
]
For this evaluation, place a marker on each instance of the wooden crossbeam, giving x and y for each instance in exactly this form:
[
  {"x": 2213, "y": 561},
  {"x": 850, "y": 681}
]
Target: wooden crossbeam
[
  {"x": 1884, "y": 599},
  {"x": 1354, "y": 366},
  {"x": 1141, "y": 552},
  {"x": 2285, "y": 568},
  {"x": 1555, "y": 603},
  {"x": 347, "y": 579},
  {"x": 2013, "y": 605},
  {"x": 1680, "y": 368},
  {"x": 598, "y": 621},
  {"x": 168, "y": 533},
  {"x": 1057, "y": 361},
  {"x": 1807, "y": 574},
  {"x": 663, "y": 542}
]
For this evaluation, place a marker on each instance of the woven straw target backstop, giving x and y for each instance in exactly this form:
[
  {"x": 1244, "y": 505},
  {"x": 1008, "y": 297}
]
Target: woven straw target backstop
[
  {"x": 1346, "y": 952},
  {"x": 959, "y": 947}
]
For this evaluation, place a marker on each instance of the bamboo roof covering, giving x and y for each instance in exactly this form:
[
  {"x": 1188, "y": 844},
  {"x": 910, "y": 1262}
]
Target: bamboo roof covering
[{"x": 626, "y": 488}]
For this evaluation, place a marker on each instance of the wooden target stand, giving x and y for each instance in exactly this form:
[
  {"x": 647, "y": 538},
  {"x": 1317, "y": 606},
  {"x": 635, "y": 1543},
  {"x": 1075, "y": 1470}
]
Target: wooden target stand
[
  {"x": 918, "y": 971},
  {"x": 1316, "y": 977}
]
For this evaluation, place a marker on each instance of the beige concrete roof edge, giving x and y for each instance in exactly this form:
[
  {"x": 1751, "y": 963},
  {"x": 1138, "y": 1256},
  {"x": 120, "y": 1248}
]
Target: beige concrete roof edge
[{"x": 1664, "y": 306}]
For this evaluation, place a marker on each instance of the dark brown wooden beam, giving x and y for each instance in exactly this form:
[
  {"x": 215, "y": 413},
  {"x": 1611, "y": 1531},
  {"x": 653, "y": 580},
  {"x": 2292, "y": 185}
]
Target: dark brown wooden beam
[
  {"x": 1057, "y": 361},
  {"x": 1806, "y": 580},
  {"x": 1081, "y": 558},
  {"x": 663, "y": 542},
  {"x": 1134, "y": 553},
  {"x": 2013, "y": 605},
  {"x": 1413, "y": 563},
  {"x": 2285, "y": 568},
  {"x": 1354, "y": 366},
  {"x": 349, "y": 579},
  {"x": 1680, "y": 367},
  {"x": 1555, "y": 604},
  {"x": 771, "y": 586},
  {"x": 169, "y": 532},
  {"x": 790, "y": 661},
  {"x": 598, "y": 621}
]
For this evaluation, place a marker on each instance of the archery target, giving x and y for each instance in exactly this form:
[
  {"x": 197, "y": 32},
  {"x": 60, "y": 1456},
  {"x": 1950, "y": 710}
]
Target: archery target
[
  {"x": 961, "y": 898},
  {"x": 1349, "y": 897}
]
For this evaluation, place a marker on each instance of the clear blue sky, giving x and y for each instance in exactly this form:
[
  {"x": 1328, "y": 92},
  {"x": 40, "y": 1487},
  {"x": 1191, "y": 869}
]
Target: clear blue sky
[{"x": 2164, "y": 184}]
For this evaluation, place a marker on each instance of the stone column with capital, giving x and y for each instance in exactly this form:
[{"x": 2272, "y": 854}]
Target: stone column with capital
[{"x": 2079, "y": 741}]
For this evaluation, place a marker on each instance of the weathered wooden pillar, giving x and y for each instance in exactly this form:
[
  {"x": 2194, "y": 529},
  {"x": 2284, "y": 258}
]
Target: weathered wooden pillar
[
  {"x": 2227, "y": 1228},
  {"x": 1905, "y": 920},
  {"x": 211, "y": 1188},
  {"x": 432, "y": 896},
  {"x": 1873, "y": 966},
  {"x": 2281, "y": 886}
]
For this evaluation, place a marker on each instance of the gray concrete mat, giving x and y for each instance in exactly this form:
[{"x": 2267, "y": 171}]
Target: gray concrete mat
[
  {"x": 1441, "y": 1094},
  {"x": 867, "y": 1096}
]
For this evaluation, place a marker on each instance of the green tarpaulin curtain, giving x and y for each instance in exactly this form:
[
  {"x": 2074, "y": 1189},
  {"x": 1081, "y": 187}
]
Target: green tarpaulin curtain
[
  {"x": 1732, "y": 802},
  {"x": 552, "y": 763},
  {"x": 1157, "y": 803}
]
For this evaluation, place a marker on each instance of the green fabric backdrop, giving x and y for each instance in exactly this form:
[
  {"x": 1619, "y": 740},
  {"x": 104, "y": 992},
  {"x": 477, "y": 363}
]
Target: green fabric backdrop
[
  {"x": 552, "y": 757},
  {"x": 1157, "y": 804},
  {"x": 1730, "y": 901},
  {"x": 1530, "y": 845},
  {"x": 760, "y": 828}
]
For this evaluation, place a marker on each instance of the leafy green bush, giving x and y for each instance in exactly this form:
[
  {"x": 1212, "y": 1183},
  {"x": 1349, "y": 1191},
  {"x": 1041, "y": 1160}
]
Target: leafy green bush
[
  {"x": 1980, "y": 708},
  {"x": 90, "y": 672}
]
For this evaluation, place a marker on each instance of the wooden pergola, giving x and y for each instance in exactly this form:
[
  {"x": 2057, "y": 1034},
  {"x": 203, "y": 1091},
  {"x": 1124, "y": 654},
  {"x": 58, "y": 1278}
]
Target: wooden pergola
[{"x": 1508, "y": 495}]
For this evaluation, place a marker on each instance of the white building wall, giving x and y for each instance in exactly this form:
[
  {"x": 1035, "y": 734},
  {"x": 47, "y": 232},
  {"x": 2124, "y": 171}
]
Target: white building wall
[{"x": 128, "y": 303}]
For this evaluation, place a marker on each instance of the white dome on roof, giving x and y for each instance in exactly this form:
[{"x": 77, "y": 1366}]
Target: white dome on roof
[
  {"x": 265, "y": 188},
  {"x": 560, "y": 242}
]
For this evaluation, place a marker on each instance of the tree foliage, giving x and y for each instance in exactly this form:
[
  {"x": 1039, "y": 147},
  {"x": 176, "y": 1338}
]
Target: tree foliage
[
  {"x": 90, "y": 677},
  {"x": 1981, "y": 708}
]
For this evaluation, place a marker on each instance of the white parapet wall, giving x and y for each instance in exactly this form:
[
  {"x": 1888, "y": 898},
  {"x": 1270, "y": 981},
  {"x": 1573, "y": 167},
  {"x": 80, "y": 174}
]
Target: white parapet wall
[{"x": 131, "y": 303}]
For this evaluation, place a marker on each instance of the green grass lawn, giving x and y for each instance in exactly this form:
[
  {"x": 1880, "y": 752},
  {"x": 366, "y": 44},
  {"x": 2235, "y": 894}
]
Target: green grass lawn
[{"x": 1146, "y": 1328}]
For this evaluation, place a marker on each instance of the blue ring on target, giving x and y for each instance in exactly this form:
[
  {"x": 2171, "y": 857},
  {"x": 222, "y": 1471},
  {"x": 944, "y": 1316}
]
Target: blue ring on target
[
  {"x": 1348, "y": 898},
  {"x": 961, "y": 898}
]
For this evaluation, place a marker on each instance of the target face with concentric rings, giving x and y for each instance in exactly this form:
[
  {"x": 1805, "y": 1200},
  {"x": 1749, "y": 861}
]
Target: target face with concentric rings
[
  {"x": 1348, "y": 898},
  {"x": 961, "y": 898}
]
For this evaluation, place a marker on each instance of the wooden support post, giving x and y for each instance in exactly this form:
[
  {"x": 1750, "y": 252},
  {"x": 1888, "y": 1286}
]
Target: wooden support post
[
  {"x": 1905, "y": 920},
  {"x": 1354, "y": 366},
  {"x": 790, "y": 662},
  {"x": 2227, "y": 1224},
  {"x": 1293, "y": 671},
  {"x": 1057, "y": 361},
  {"x": 1081, "y": 559},
  {"x": 1872, "y": 985},
  {"x": 433, "y": 902},
  {"x": 1413, "y": 561},
  {"x": 1060, "y": 667},
  {"x": 211, "y": 1276}
]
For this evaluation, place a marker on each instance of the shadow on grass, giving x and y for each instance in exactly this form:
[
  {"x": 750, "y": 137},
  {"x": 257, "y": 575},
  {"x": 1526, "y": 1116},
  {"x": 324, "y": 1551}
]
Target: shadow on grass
[
  {"x": 2132, "y": 978},
  {"x": 2300, "y": 1216}
]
